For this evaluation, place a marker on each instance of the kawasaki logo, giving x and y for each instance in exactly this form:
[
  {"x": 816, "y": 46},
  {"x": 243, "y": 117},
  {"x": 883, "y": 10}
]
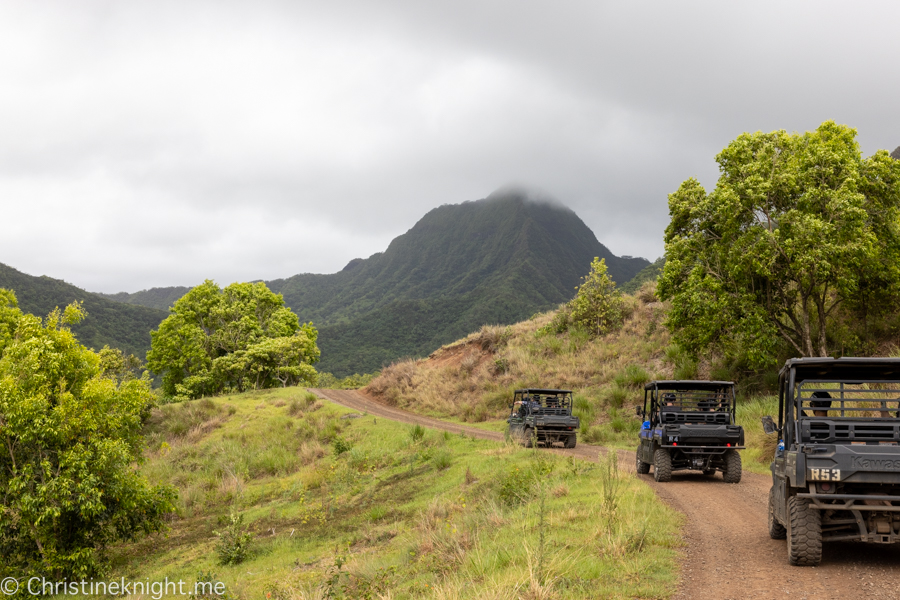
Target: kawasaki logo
[{"x": 875, "y": 464}]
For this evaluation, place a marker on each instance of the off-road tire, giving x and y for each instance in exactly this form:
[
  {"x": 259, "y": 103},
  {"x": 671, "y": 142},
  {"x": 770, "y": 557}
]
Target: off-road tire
[
  {"x": 732, "y": 472},
  {"x": 640, "y": 466},
  {"x": 777, "y": 531},
  {"x": 570, "y": 441},
  {"x": 662, "y": 466},
  {"x": 804, "y": 534},
  {"x": 527, "y": 437}
]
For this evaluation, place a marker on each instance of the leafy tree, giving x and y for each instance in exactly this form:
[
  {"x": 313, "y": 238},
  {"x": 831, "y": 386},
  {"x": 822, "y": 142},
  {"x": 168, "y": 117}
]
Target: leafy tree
[
  {"x": 598, "y": 305},
  {"x": 236, "y": 338},
  {"x": 69, "y": 437},
  {"x": 797, "y": 225}
]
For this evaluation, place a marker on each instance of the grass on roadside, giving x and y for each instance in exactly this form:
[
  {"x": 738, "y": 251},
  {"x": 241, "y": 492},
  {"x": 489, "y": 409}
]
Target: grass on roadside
[{"x": 339, "y": 507}]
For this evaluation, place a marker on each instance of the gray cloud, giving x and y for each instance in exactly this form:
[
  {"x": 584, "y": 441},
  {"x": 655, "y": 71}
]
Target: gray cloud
[{"x": 146, "y": 144}]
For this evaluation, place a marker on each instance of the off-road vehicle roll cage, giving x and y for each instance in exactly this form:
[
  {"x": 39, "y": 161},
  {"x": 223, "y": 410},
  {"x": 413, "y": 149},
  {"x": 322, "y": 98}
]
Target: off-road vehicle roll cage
[
  {"x": 836, "y": 471},
  {"x": 543, "y": 415},
  {"x": 689, "y": 424}
]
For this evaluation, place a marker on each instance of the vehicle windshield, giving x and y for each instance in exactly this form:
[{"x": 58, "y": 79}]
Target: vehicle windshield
[
  {"x": 694, "y": 400},
  {"x": 847, "y": 400},
  {"x": 543, "y": 403},
  {"x": 849, "y": 412}
]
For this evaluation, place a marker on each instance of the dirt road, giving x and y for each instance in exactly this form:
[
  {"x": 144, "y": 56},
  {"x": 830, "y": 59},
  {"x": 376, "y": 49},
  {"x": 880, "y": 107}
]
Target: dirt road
[{"x": 728, "y": 553}]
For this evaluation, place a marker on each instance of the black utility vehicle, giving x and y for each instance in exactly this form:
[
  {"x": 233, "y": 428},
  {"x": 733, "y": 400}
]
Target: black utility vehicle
[
  {"x": 543, "y": 416},
  {"x": 836, "y": 472},
  {"x": 689, "y": 425}
]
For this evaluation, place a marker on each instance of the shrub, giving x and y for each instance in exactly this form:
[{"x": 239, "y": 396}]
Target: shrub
[
  {"x": 298, "y": 406},
  {"x": 632, "y": 376},
  {"x": 598, "y": 307},
  {"x": 234, "y": 542},
  {"x": 617, "y": 396},
  {"x": 416, "y": 433},
  {"x": 339, "y": 445},
  {"x": 500, "y": 366},
  {"x": 442, "y": 459},
  {"x": 647, "y": 293},
  {"x": 493, "y": 337},
  {"x": 516, "y": 487}
]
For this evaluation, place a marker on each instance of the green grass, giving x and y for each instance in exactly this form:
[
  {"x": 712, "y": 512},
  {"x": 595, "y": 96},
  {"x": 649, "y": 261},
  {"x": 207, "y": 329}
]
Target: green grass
[
  {"x": 396, "y": 513},
  {"x": 760, "y": 447}
]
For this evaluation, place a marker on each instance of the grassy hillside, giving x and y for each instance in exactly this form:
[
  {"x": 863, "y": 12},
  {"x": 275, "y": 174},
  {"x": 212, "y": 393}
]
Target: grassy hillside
[
  {"x": 473, "y": 379},
  {"x": 345, "y": 507},
  {"x": 118, "y": 325}
]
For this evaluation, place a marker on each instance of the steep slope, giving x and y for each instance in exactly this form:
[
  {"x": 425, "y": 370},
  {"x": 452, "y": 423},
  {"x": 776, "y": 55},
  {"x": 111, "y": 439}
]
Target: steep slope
[
  {"x": 158, "y": 298},
  {"x": 497, "y": 260},
  {"x": 108, "y": 322}
]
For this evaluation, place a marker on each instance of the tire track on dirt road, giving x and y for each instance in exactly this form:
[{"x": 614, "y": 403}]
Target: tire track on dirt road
[{"x": 728, "y": 554}]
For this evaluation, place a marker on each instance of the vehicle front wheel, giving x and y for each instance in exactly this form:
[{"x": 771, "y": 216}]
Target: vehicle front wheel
[
  {"x": 662, "y": 466},
  {"x": 527, "y": 437},
  {"x": 732, "y": 472},
  {"x": 804, "y": 533},
  {"x": 570, "y": 441},
  {"x": 640, "y": 466},
  {"x": 777, "y": 531}
]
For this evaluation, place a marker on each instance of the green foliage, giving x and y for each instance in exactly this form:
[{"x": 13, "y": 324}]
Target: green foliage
[
  {"x": 416, "y": 433},
  {"x": 797, "y": 225},
  {"x": 649, "y": 273},
  {"x": 71, "y": 433},
  {"x": 350, "y": 382},
  {"x": 234, "y": 542},
  {"x": 340, "y": 445},
  {"x": 107, "y": 322},
  {"x": 241, "y": 337},
  {"x": 516, "y": 487},
  {"x": 598, "y": 306},
  {"x": 632, "y": 376}
]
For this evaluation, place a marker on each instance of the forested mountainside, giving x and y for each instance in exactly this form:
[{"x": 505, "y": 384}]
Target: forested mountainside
[
  {"x": 492, "y": 261},
  {"x": 108, "y": 322},
  {"x": 649, "y": 273},
  {"x": 158, "y": 298}
]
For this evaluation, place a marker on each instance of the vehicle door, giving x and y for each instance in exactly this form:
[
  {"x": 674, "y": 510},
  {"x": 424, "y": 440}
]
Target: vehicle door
[{"x": 516, "y": 417}]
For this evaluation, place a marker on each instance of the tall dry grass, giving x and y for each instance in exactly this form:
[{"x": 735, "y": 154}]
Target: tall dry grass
[{"x": 473, "y": 379}]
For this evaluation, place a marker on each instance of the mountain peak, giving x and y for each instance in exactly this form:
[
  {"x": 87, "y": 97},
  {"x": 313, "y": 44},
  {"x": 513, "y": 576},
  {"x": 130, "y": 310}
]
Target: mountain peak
[{"x": 497, "y": 260}]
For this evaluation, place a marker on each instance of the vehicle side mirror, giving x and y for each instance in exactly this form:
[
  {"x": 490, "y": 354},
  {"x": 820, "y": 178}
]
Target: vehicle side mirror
[
  {"x": 639, "y": 411},
  {"x": 768, "y": 425}
]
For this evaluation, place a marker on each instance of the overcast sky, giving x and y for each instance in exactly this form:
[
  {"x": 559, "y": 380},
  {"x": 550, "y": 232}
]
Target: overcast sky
[{"x": 160, "y": 143}]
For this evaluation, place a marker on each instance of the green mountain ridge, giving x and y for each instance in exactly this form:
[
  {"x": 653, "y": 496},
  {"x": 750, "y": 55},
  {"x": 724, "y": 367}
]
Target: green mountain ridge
[
  {"x": 498, "y": 260},
  {"x": 108, "y": 322},
  {"x": 158, "y": 298},
  {"x": 492, "y": 261}
]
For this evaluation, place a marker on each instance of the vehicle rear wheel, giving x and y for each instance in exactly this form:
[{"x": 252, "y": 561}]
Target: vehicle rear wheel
[
  {"x": 527, "y": 437},
  {"x": 662, "y": 466},
  {"x": 640, "y": 466},
  {"x": 804, "y": 533},
  {"x": 570, "y": 441},
  {"x": 732, "y": 472},
  {"x": 777, "y": 531}
]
